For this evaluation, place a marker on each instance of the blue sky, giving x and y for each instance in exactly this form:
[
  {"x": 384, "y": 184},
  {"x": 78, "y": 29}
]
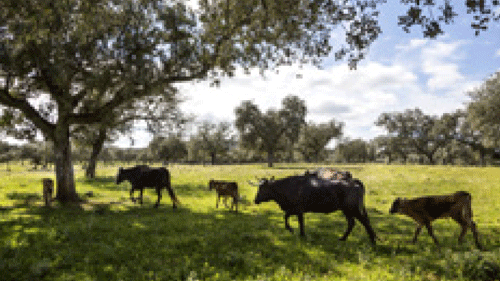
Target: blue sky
[{"x": 401, "y": 71}]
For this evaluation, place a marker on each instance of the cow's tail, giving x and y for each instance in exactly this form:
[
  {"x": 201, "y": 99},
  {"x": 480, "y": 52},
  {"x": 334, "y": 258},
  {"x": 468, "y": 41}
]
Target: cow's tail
[
  {"x": 168, "y": 187},
  {"x": 362, "y": 210}
]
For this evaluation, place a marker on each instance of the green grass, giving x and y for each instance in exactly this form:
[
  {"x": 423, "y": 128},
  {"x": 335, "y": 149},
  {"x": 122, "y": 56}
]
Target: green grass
[{"x": 110, "y": 238}]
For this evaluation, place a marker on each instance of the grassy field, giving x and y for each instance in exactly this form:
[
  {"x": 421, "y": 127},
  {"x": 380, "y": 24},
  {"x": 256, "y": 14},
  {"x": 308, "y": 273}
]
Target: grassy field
[{"x": 110, "y": 238}]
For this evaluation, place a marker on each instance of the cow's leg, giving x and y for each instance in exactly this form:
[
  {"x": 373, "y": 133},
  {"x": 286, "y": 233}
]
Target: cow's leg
[
  {"x": 464, "y": 224},
  {"x": 431, "y": 233},
  {"x": 350, "y": 226},
  {"x": 287, "y": 225},
  {"x": 172, "y": 196},
  {"x": 475, "y": 234},
  {"x": 140, "y": 196},
  {"x": 235, "y": 202},
  {"x": 132, "y": 194},
  {"x": 158, "y": 192},
  {"x": 417, "y": 232},
  {"x": 363, "y": 218},
  {"x": 300, "y": 216},
  {"x": 217, "y": 201}
]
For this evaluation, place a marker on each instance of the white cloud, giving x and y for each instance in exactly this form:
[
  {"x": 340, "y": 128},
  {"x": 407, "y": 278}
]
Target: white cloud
[
  {"x": 414, "y": 44},
  {"x": 439, "y": 60},
  {"x": 497, "y": 53}
]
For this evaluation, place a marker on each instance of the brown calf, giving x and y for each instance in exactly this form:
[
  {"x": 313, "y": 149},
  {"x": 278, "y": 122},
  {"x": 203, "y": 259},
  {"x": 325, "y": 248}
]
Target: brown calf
[
  {"x": 48, "y": 189},
  {"x": 225, "y": 189},
  {"x": 424, "y": 210}
]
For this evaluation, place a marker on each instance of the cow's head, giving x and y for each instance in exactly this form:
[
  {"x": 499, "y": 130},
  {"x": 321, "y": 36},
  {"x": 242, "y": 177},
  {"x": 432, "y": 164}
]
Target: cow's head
[
  {"x": 395, "y": 206},
  {"x": 119, "y": 177},
  {"x": 265, "y": 192}
]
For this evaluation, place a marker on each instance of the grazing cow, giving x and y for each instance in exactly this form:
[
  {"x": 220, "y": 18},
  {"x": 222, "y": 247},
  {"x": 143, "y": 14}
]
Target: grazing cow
[
  {"x": 297, "y": 195},
  {"x": 424, "y": 210},
  {"x": 142, "y": 176},
  {"x": 225, "y": 189},
  {"x": 48, "y": 190}
]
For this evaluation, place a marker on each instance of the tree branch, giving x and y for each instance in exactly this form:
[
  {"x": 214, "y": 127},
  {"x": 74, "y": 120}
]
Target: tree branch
[{"x": 25, "y": 107}]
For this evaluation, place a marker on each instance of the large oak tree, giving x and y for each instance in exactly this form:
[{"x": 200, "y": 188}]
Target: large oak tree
[
  {"x": 314, "y": 138},
  {"x": 67, "y": 63}
]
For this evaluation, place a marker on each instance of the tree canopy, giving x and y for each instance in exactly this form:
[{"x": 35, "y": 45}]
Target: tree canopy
[
  {"x": 266, "y": 132},
  {"x": 67, "y": 63}
]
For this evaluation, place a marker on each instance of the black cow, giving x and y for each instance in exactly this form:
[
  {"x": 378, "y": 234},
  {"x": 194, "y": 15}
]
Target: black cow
[
  {"x": 297, "y": 195},
  {"x": 142, "y": 176}
]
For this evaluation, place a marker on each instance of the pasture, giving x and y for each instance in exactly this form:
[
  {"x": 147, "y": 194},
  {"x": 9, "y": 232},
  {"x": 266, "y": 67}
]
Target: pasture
[{"x": 110, "y": 238}]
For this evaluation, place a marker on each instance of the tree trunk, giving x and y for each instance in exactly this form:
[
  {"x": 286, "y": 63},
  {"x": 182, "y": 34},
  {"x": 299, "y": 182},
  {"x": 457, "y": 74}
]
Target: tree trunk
[
  {"x": 482, "y": 154},
  {"x": 97, "y": 146},
  {"x": 212, "y": 157},
  {"x": 65, "y": 180},
  {"x": 270, "y": 159}
]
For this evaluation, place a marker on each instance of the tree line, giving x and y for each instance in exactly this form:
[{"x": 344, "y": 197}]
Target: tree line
[
  {"x": 469, "y": 136},
  {"x": 274, "y": 135}
]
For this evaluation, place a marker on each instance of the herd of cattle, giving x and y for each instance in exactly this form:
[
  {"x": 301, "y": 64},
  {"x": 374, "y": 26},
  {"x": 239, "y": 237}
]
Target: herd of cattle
[{"x": 321, "y": 191}]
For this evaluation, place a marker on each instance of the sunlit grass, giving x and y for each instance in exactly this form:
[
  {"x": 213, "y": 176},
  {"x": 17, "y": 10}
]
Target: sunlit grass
[{"x": 110, "y": 238}]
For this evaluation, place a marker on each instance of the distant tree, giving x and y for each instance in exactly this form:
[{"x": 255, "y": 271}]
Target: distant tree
[
  {"x": 314, "y": 138},
  {"x": 294, "y": 111},
  {"x": 353, "y": 151},
  {"x": 195, "y": 151},
  {"x": 482, "y": 124},
  {"x": 170, "y": 148},
  {"x": 4, "y": 147},
  {"x": 215, "y": 139},
  {"x": 392, "y": 147},
  {"x": 264, "y": 132},
  {"x": 418, "y": 132},
  {"x": 7, "y": 154},
  {"x": 474, "y": 139}
]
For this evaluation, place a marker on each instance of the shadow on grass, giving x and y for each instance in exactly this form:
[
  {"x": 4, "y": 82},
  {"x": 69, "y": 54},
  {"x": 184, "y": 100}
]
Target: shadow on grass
[
  {"x": 106, "y": 183},
  {"x": 109, "y": 184},
  {"x": 130, "y": 244},
  {"x": 118, "y": 241}
]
